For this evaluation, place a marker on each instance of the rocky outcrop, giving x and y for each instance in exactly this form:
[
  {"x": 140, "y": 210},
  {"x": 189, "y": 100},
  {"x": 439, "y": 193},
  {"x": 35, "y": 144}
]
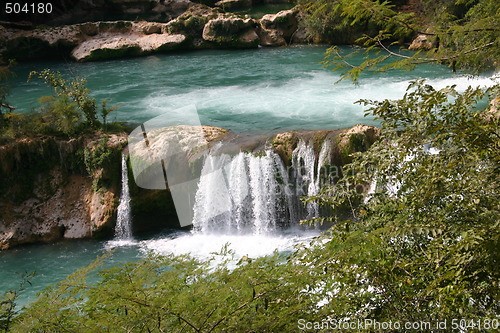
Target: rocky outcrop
[
  {"x": 47, "y": 193},
  {"x": 424, "y": 42},
  {"x": 91, "y": 41},
  {"x": 110, "y": 46},
  {"x": 278, "y": 29},
  {"x": 53, "y": 189},
  {"x": 231, "y": 32},
  {"x": 153, "y": 209},
  {"x": 207, "y": 27},
  {"x": 199, "y": 27},
  {"x": 344, "y": 142}
]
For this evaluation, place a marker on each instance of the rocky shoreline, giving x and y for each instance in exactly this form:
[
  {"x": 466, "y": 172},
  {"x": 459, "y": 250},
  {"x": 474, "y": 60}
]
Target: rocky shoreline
[
  {"x": 56, "y": 189},
  {"x": 198, "y": 27}
]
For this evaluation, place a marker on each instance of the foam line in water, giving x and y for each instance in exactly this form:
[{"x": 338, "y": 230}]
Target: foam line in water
[{"x": 204, "y": 245}]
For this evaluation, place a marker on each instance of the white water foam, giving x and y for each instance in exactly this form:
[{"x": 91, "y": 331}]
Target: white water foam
[
  {"x": 204, "y": 246},
  {"x": 123, "y": 228},
  {"x": 312, "y": 101}
]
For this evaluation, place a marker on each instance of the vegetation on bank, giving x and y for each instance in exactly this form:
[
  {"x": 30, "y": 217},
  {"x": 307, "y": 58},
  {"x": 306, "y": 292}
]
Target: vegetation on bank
[{"x": 69, "y": 112}]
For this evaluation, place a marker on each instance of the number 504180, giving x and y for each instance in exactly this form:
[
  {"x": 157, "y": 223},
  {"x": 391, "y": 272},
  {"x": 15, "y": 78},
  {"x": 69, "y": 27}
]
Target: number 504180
[{"x": 25, "y": 8}]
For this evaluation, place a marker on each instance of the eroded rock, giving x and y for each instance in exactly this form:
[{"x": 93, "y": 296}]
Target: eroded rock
[
  {"x": 424, "y": 42},
  {"x": 231, "y": 32},
  {"x": 278, "y": 29},
  {"x": 116, "y": 46},
  {"x": 46, "y": 193}
]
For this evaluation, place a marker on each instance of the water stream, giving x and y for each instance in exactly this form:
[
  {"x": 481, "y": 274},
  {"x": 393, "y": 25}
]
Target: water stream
[{"x": 123, "y": 228}]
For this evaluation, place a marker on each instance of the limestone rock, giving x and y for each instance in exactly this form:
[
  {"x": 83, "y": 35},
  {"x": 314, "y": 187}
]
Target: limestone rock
[
  {"x": 231, "y": 32},
  {"x": 108, "y": 46},
  {"x": 278, "y": 29},
  {"x": 424, "y": 42},
  {"x": 192, "y": 21},
  {"x": 46, "y": 195}
]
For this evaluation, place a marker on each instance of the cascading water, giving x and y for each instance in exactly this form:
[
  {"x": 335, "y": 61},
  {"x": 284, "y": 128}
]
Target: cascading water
[
  {"x": 307, "y": 171},
  {"x": 239, "y": 194},
  {"x": 249, "y": 193},
  {"x": 123, "y": 228}
]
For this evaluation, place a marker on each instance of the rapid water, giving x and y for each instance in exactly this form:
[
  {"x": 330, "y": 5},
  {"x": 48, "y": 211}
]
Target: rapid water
[
  {"x": 263, "y": 90},
  {"x": 267, "y": 89}
]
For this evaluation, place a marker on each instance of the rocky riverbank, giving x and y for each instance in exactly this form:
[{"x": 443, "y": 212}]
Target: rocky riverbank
[
  {"x": 198, "y": 27},
  {"x": 55, "y": 189}
]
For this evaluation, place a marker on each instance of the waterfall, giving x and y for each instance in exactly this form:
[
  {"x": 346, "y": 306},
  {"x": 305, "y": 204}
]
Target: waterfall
[
  {"x": 307, "y": 171},
  {"x": 123, "y": 228},
  {"x": 256, "y": 193},
  {"x": 238, "y": 194}
]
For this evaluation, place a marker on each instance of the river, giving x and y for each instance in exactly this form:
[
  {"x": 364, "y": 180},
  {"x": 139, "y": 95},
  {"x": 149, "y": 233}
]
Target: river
[{"x": 248, "y": 91}]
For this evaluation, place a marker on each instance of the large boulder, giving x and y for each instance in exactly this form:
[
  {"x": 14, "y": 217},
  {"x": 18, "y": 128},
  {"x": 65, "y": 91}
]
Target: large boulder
[
  {"x": 116, "y": 46},
  {"x": 278, "y": 29},
  {"x": 424, "y": 42},
  {"x": 231, "y": 32}
]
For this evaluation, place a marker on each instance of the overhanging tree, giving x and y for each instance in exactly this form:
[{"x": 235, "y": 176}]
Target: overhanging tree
[{"x": 465, "y": 33}]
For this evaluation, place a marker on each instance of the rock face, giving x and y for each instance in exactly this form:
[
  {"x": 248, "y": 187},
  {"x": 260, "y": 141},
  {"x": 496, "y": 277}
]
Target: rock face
[
  {"x": 92, "y": 41},
  {"x": 47, "y": 194},
  {"x": 117, "y": 46},
  {"x": 206, "y": 27},
  {"x": 198, "y": 27},
  {"x": 278, "y": 29},
  {"x": 344, "y": 142}
]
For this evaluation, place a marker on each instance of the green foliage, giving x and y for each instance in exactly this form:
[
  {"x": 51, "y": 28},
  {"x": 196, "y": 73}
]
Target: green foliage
[
  {"x": 5, "y": 108},
  {"x": 75, "y": 90},
  {"x": 95, "y": 157},
  {"x": 61, "y": 114},
  {"x": 466, "y": 33},
  {"x": 174, "y": 294},
  {"x": 423, "y": 245},
  {"x": 105, "y": 111},
  {"x": 8, "y": 310},
  {"x": 68, "y": 113}
]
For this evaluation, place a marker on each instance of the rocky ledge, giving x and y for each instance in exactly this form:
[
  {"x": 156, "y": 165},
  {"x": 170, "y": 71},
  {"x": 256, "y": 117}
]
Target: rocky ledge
[
  {"x": 53, "y": 189},
  {"x": 198, "y": 27}
]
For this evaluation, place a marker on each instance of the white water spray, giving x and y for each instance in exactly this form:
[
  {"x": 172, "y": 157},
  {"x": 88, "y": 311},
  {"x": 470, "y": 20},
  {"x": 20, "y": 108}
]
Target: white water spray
[
  {"x": 123, "y": 228},
  {"x": 256, "y": 194}
]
